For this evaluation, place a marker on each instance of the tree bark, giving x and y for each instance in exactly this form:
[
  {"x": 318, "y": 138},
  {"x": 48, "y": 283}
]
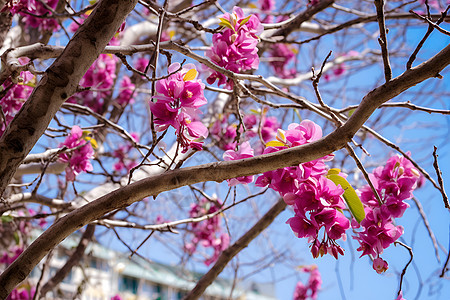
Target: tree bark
[{"x": 58, "y": 83}]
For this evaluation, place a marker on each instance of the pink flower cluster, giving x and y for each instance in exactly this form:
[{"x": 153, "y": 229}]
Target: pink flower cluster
[
  {"x": 309, "y": 291},
  {"x": 316, "y": 200},
  {"x": 8, "y": 257},
  {"x": 225, "y": 134},
  {"x": 177, "y": 101},
  {"x": 244, "y": 151},
  {"x": 281, "y": 55},
  {"x": 235, "y": 47},
  {"x": 100, "y": 78},
  {"x": 266, "y": 6},
  {"x": 28, "y": 9},
  {"x": 22, "y": 294},
  {"x": 122, "y": 154},
  {"x": 268, "y": 127},
  {"x": 15, "y": 96},
  {"x": 395, "y": 183},
  {"x": 79, "y": 159},
  {"x": 126, "y": 92},
  {"x": 207, "y": 233}
]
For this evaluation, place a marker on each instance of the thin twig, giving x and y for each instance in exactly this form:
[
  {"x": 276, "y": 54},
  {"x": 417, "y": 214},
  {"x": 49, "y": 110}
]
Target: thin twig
[
  {"x": 444, "y": 268},
  {"x": 436, "y": 26},
  {"x": 425, "y": 37},
  {"x": 407, "y": 264},
  {"x": 428, "y": 227},
  {"x": 315, "y": 81},
  {"x": 406, "y": 104},
  {"x": 439, "y": 177},
  {"x": 383, "y": 40},
  {"x": 363, "y": 170}
]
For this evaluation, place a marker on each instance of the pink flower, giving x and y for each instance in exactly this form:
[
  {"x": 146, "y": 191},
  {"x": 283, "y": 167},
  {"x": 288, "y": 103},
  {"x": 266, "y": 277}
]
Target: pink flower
[
  {"x": 11, "y": 255},
  {"x": 100, "y": 78},
  {"x": 394, "y": 183},
  {"x": 126, "y": 91},
  {"x": 312, "y": 288},
  {"x": 141, "y": 64},
  {"x": 14, "y": 98},
  {"x": 244, "y": 151},
  {"x": 79, "y": 159},
  {"x": 207, "y": 233},
  {"x": 280, "y": 56},
  {"x": 177, "y": 101},
  {"x": 400, "y": 296},
  {"x": 28, "y": 9},
  {"x": 380, "y": 265},
  {"x": 267, "y": 5},
  {"x": 22, "y": 294},
  {"x": 122, "y": 153},
  {"x": 316, "y": 200},
  {"x": 235, "y": 47}
]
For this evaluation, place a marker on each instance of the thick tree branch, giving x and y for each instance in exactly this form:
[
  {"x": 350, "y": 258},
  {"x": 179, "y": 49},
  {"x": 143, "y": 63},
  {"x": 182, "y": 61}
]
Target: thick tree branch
[
  {"x": 219, "y": 171},
  {"x": 58, "y": 83}
]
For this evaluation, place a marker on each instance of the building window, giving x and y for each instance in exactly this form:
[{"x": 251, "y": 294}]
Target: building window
[
  {"x": 162, "y": 293},
  {"x": 128, "y": 284},
  {"x": 99, "y": 264}
]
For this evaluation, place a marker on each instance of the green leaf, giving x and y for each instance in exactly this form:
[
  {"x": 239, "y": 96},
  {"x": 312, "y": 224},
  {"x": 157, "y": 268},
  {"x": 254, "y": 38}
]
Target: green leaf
[
  {"x": 243, "y": 21},
  {"x": 6, "y": 218},
  {"x": 16, "y": 238},
  {"x": 334, "y": 171},
  {"x": 226, "y": 23},
  {"x": 350, "y": 196}
]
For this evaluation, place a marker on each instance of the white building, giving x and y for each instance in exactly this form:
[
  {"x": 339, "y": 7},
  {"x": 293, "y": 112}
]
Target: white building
[{"x": 105, "y": 273}]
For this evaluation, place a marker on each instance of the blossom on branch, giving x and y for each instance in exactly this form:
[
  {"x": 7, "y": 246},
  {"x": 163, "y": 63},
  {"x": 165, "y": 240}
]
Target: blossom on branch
[
  {"x": 79, "y": 159},
  {"x": 244, "y": 151},
  {"x": 99, "y": 80},
  {"x": 316, "y": 200},
  {"x": 177, "y": 101},
  {"x": 35, "y": 13},
  {"x": 394, "y": 183},
  {"x": 207, "y": 233},
  {"x": 309, "y": 291},
  {"x": 234, "y": 48},
  {"x": 13, "y": 97}
]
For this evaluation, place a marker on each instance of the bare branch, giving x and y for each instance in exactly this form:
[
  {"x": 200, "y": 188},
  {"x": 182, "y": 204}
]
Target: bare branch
[
  {"x": 383, "y": 40},
  {"x": 440, "y": 180},
  {"x": 407, "y": 264}
]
